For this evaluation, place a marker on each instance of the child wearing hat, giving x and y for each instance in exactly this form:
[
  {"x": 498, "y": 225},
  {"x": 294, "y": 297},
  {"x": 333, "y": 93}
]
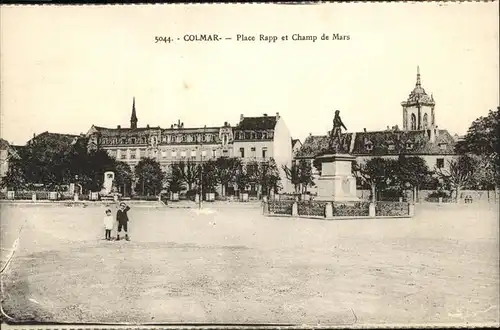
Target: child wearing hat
[{"x": 122, "y": 219}]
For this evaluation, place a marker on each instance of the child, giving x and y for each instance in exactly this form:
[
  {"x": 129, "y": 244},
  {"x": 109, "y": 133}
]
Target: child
[
  {"x": 108, "y": 224},
  {"x": 122, "y": 219}
]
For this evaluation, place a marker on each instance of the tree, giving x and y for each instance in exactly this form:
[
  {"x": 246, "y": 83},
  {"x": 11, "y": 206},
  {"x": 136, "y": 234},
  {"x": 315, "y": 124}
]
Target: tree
[
  {"x": 459, "y": 173},
  {"x": 375, "y": 172},
  {"x": 482, "y": 139},
  {"x": 209, "y": 176},
  {"x": 300, "y": 175},
  {"x": 123, "y": 175},
  {"x": 305, "y": 175},
  {"x": 242, "y": 178},
  {"x": 149, "y": 177},
  {"x": 227, "y": 169},
  {"x": 293, "y": 175},
  {"x": 189, "y": 171},
  {"x": 268, "y": 177},
  {"x": 411, "y": 171},
  {"x": 175, "y": 179}
]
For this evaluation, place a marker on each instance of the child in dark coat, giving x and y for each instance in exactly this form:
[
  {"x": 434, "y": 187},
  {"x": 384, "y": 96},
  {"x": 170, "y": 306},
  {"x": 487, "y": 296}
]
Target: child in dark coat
[{"x": 122, "y": 219}]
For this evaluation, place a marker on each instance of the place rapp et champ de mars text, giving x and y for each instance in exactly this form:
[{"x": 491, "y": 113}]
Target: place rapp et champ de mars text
[{"x": 259, "y": 38}]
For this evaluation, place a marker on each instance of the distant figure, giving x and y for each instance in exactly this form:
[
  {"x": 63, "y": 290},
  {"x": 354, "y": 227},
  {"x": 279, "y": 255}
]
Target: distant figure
[
  {"x": 122, "y": 219},
  {"x": 108, "y": 224},
  {"x": 335, "y": 134}
]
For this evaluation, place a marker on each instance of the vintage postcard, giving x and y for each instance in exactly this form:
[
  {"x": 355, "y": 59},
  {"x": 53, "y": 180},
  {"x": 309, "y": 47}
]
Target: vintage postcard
[{"x": 250, "y": 165}]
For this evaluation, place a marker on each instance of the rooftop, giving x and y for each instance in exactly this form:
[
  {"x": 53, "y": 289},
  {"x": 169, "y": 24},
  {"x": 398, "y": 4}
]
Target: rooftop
[{"x": 382, "y": 143}]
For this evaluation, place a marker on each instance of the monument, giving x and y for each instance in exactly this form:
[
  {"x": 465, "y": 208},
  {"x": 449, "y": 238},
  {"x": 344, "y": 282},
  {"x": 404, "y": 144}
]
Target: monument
[
  {"x": 107, "y": 186},
  {"x": 336, "y": 182}
]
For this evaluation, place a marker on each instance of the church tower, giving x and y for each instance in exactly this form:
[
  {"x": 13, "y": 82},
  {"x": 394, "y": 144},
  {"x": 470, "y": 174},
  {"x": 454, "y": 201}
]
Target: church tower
[
  {"x": 133, "y": 118},
  {"x": 418, "y": 109}
]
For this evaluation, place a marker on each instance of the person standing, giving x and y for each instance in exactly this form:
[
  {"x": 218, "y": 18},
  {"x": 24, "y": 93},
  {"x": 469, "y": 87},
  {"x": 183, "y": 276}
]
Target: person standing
[
  {"x": 122, "y": 219},
  {"x": 108, "y": 224}
]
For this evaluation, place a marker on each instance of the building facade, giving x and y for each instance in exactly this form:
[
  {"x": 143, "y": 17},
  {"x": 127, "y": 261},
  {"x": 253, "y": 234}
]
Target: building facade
[
  {"x": 420, "y": 136},
  {"x": 252, "y": 139}
]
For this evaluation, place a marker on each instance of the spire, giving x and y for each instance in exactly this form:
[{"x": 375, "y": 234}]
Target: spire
[
  {"x": 418, "y": 84},
  {"x": 133, "y": 118}
]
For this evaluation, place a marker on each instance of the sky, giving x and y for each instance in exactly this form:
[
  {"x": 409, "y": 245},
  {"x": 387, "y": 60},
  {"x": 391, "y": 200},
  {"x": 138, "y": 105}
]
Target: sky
[{"x": 65, "y": 68}]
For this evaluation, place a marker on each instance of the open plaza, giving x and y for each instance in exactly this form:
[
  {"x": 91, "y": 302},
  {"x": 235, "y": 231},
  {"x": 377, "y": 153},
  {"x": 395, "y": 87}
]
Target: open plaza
[{"x": 228, "y": 263}]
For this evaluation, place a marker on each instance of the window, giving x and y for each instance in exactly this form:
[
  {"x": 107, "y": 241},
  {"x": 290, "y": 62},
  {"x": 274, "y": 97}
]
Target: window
[
  {"x": 369, "y": 145},
  {"x": 204, "y": 153},
  {"x": 163, "y": 154},
  {"x": 425, "y": 121},
  {"x": 132, "y": 155},
  {"x": 124, "y": 141},
  {"x": 413, "y": 122},
  {"x": 183, "y": 154},
  {"x": 214, "y": 153},
  {"x": 409, "y": 145},
  {"x": 253, "y": 152},
  {"x": 225, "y": 153},
  {"x": 264, "y": 152},
  {"x": 242, "y": 152},
  {"x": 391, "y": 146},
  {"x": 442, "y": 146},
  {"x": 133, "y": 140},
  {"x": 264, "y": 135},
  {"x": 143, "y": 153},
  {"x": 440, "y": 162},
  {"x": 193, "y": 154},
  {"x": 123, "y": 154},
  {"x": 174, "y": 153}
]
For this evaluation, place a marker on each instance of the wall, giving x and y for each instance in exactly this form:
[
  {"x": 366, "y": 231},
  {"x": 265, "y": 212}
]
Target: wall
[
  {"x": 477, "y": 195},
  {"x": 4, "y": 162}
]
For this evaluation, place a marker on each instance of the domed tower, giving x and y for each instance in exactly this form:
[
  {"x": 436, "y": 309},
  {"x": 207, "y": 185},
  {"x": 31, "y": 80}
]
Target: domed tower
[{"x": 418, "y": 109}]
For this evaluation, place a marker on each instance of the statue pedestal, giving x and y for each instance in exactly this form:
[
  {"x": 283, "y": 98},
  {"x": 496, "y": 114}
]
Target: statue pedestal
[{"x": 336, "y": 182}]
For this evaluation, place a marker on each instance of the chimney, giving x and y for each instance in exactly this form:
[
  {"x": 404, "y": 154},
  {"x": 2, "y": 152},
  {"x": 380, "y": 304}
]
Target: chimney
[
  {"x": 364, "y": 129},
  {"x": 265, "y": 115},
  {"x": 118, "y": 126},
  {"x": 172, "y": 126},
  {"x": 241, "y": 117},
  {"x": 147, "y": 126},
  {"x": 277, "y": 115},
  {"x": 432, "y": 136},
  {"x": 388, "y": 128}
]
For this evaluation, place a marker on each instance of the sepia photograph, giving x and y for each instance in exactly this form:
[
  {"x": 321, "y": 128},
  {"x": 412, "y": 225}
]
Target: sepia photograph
[{"x": 250, "y": 165}]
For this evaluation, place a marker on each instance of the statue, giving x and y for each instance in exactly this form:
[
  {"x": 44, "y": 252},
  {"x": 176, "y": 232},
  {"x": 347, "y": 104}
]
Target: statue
[{"x": 335, "y": 142}]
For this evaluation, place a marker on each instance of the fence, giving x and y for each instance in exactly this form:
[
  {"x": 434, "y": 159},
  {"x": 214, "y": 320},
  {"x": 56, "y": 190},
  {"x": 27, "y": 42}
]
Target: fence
[
  {"x": 426, "y": 196},
  {"x": 326, "y": 209}
]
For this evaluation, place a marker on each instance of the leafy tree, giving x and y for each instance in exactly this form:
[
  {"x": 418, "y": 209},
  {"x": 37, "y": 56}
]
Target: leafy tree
[
  {"x": 305, "y": 175},
  {"x": 459, "y": 173},
  {"x": 209, "y": 176},
  {"x": 269, "y": 177},
  {"x": 293, "y": 175},
  {"x": 242, "y": 178},
  {"x": 482, "y": 139},
  {"x": 300, "y": 175},
  {"x": 410, "y": 172},
  {"x": 149, "y": 177},
  {"x": 189, "y": 171},
  {"x": 123, "y": 175},
  {"x": 376, "y": 173},
  {"x": 175, "y": 179},
  {"x": 15, "y": 178},
  {"x": 227, "y": 169}
]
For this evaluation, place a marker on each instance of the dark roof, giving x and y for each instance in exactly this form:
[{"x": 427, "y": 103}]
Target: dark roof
[
  {"x": 257, "y": 123},
  {"x": 294, "y": 142},
  {"x": 418, "y": 141},
  {"x": 141, "y": 130}
]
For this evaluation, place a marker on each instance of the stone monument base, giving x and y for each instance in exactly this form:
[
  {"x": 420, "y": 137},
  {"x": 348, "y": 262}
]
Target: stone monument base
[{"x": 336, "y": 182}]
